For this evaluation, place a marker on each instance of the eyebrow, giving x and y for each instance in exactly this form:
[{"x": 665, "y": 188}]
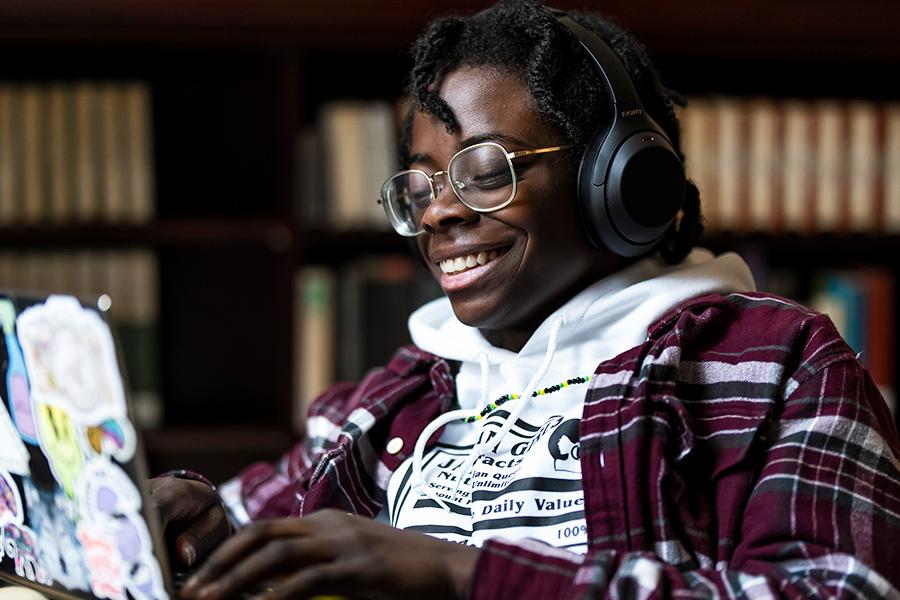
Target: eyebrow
[{"x": 490, "y": 136}]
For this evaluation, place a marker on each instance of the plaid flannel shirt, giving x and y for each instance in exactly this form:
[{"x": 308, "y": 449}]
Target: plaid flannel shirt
[{"x": 740, "y": 451}]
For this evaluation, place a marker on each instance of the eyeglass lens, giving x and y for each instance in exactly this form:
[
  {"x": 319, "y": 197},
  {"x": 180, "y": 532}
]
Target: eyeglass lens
[{"x": 482, "y": 178}]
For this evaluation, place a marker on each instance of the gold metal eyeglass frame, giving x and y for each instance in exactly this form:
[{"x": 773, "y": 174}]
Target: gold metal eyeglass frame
[{"x": 435, "y": 189}]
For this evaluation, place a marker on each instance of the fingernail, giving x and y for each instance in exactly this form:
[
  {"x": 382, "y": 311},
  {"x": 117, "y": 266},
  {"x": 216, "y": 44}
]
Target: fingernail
[
  {"x": 188, "y": 554},
  {"x": 189, "y": 585},
  {"x": 208, "y": 591}
]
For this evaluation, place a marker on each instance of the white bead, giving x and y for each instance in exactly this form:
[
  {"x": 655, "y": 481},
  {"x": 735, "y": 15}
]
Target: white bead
[{"x": 395, "y": 445}]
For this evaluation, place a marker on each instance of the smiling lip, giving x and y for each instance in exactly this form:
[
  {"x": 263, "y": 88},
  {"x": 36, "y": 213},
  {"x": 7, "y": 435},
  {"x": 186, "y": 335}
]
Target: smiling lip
[{"x": 452, "y": 282}]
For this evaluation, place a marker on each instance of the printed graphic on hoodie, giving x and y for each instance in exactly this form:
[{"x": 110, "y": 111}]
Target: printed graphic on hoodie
[{"x": 527, "y": 486}]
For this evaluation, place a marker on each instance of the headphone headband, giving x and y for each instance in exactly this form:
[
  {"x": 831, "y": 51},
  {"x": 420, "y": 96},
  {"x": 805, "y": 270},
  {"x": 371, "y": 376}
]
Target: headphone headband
[
  {"x": 630, "y": 179},
  {"x": 618, "y": 83}
]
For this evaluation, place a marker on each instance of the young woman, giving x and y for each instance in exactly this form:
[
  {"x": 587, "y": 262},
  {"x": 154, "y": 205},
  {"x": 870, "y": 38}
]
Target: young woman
[{"x": 569, "y": 423}]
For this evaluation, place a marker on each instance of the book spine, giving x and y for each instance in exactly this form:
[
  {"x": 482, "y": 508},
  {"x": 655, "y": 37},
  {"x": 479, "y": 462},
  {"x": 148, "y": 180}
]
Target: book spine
[
  {"x": 33, "y": 122},
  {"x": 314, "y": 338},
  {"x": 138, "y": 149},
  {"x": 730, "y": 164},
  {"x": 891, "y": 168},
  {"x": 863, "y": 166},
  {"x": 698, "y": 140},
  {"x": 380, "y": 154},
  {"x": 831, "y": 167},
  {"x": 87, "y": 204},
  {"x": 8, "y": 170},
  {"x": 111, "y": 117},
  {"x": 763, "y": 180},
  {"x": 342, "y": 127},
  {"x": 60, "y": 154}
]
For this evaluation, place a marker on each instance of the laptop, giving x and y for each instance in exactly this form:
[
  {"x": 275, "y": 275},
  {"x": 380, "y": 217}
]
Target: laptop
[{"x": 75, "y": 521}]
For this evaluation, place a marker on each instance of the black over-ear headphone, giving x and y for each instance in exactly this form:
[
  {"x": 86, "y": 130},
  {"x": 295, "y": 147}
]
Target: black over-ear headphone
[{"x": 630, "y": 180}]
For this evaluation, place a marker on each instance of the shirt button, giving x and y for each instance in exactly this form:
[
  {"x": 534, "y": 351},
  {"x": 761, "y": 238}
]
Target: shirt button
[{"x": 395, "y": 445}]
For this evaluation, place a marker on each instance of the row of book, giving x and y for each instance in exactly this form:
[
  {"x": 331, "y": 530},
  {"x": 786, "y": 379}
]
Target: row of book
[
  {"x": 762, "y": 164},
  {"x": 804, "y": 166},
  {"x": 130, "y": 279},
  {"x": 75, "y": 152},
  {"x": 352, "y": 319},
  {"x": 341, "y": 163}
]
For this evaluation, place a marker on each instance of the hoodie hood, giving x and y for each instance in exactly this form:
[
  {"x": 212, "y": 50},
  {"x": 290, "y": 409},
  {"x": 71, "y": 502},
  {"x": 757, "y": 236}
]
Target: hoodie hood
[{"x": 602, "y": 321}]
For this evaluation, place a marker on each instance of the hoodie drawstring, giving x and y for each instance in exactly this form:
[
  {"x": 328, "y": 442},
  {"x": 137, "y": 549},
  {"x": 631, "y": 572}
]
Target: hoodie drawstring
[
  {"x": 419, "y": 482},
  {"x": 478, "y": 449},
  {"x": 533, "y": 384}
]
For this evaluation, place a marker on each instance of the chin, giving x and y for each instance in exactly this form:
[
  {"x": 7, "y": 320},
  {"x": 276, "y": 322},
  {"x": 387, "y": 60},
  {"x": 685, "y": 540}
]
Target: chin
[{"x": 479, "y": 317}]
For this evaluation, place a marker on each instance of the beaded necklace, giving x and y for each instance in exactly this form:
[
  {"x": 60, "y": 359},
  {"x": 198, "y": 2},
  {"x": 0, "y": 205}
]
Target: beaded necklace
[{"x": 507, "y": 397}]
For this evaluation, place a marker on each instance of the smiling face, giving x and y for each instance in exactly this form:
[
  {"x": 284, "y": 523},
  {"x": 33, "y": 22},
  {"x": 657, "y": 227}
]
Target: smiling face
[{"x": 541, "y": 256}]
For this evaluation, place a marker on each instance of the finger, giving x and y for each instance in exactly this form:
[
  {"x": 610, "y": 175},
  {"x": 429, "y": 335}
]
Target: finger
[
  {"x": 277, "y": 557},
  {"x": 177, "y": 499},
  {"x": 317, "y": 580},
  {"x": 240, "y": 545},
  {"x": 206, "y": 532}
]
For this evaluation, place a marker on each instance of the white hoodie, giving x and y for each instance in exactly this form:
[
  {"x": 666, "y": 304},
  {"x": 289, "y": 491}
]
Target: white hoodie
[{"x": 528, "y": 484}]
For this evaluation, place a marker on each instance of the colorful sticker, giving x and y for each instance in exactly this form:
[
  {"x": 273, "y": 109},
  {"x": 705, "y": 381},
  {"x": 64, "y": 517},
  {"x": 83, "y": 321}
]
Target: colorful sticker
[
  {"x": 117, "y": 545},
  {"x": 11, "y": 508},
  {"x": 60, "y": 443},
  {"x": 17, "y": 387},
  {"x": 51, "y": 516},
  {"x": 112, "y": 438},
  {"x": 56, "y": 338},
  {"x": 13, "y": 454},
  {"x": 18, "y": 543}
]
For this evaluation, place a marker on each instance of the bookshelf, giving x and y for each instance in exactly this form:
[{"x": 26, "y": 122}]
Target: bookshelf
[{"x": 232, "y": 84}]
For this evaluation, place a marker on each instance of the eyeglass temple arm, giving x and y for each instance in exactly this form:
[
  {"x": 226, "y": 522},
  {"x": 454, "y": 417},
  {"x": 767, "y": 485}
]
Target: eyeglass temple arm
[{"x": 519, "y": 153}]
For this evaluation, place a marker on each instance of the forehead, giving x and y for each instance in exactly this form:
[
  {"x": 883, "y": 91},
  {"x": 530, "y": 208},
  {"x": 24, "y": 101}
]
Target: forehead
[{"x": 487, "y": 103}]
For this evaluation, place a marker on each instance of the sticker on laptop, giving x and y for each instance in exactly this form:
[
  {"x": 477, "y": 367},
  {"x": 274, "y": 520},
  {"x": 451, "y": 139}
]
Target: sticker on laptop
[
  {"x": 60, "y": 440},
  {"x": 112, "y": 437},
  {"x": 71, "y": 360},
  {"x": 13, "y": 454},
  {"x": 117, "y": 545},
  {"x": 17, "y": 386},
  {"x": 18, "y": 544},
  {"x": 11, "y": 508},
  {"x": 51, "y": 515}
]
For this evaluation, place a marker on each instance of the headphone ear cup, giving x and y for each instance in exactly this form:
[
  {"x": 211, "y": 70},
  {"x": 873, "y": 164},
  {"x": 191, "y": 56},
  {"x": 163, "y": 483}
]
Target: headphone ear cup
[{"x": 629, "y": 196}]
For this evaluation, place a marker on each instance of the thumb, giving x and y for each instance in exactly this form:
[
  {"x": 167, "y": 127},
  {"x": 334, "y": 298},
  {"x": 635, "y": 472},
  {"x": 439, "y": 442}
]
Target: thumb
[{"x": 205, "y": 532}]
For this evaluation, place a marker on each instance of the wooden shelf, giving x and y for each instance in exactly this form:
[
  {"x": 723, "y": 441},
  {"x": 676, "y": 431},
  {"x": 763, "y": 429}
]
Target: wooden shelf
[
  {"x": 268, "y": 234},
  {"x": 822, "y": 31},
  {"x": 810, "y": 251},
  {"x": 333, "y": 247}
]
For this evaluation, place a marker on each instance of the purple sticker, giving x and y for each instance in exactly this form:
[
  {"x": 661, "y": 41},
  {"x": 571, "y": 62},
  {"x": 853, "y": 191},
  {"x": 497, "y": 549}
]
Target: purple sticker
[
  {"x": 21, "y": 402},
  {"x": 106, "y": 499}
]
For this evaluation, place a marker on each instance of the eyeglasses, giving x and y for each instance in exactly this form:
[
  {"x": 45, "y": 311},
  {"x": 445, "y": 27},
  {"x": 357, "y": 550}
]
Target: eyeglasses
[{"x": 482, "y": 177}]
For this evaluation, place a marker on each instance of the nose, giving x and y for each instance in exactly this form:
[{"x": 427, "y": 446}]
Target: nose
[{"x": 446, "y": 210}]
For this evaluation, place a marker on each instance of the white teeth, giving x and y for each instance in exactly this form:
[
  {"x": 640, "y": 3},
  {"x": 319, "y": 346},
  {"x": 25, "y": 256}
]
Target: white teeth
[{"x": 452, "y": 265}]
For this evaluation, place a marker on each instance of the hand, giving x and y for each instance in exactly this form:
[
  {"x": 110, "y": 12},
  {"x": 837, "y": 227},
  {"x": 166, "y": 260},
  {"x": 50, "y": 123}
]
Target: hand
[
  {"x": 191, "y": 514},
  {"x": 332, "y": 552}
]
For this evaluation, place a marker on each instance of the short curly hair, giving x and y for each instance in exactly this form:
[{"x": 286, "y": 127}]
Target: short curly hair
[{"x": 524, "y": 38}]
